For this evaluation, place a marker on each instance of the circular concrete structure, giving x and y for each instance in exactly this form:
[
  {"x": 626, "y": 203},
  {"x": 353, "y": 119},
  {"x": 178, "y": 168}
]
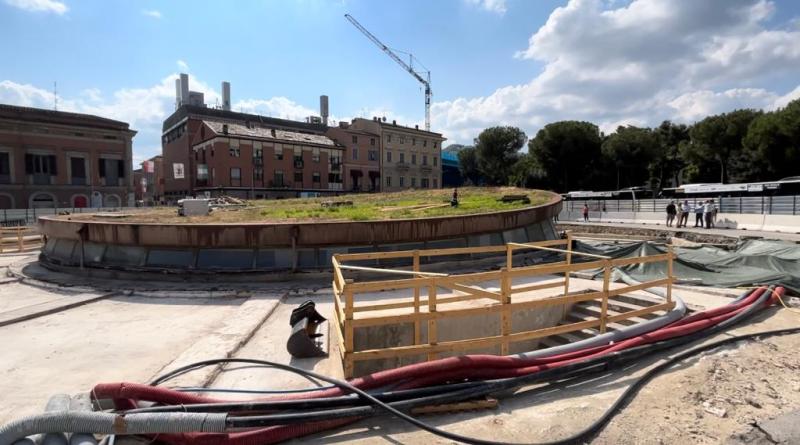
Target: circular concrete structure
[{"x": 268, "y": 247}]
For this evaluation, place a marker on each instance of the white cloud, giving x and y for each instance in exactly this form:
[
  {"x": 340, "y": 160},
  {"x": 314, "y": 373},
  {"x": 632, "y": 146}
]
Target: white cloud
[
  {"x": 495, "y": 6},
  {"x": 154, "y": 13},
  {"x": 639, "y": 62},
  {"x": 182, "y": 65},
  {"x": 280, "y": 107},
  {"x": 53, "y": 6}
]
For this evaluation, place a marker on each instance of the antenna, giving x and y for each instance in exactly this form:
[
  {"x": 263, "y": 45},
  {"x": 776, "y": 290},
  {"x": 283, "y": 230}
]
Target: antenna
[{"x": 55, "y": 95}]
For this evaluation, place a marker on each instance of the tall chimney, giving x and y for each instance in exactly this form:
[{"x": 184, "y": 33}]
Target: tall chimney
[
  {"x": 226, "y": 96},
  {"x": 184, "y": 88},
  {"x": 177, "y": 93},
  {"x": 323, "y": 109}
]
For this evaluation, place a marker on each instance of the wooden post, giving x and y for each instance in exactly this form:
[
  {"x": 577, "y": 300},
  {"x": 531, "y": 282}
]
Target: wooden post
[
  {"x": 417, "y": 327},
  {"x": 606, "y": 282},
  {"x": 505, "y": 314},
  {"x": 348, "y": 332},
  {"x": 20, "y": 243},
  {"x": 669, "y": 273},
  {"x": 432, "y": 334},
  {"x": 569, "y": 261}
]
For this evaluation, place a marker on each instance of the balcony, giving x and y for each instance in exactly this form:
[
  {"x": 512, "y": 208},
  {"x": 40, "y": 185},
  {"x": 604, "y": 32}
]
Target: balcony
[
  {"x": 402, "y": 166},
  {"x": 425, "y": 168}
]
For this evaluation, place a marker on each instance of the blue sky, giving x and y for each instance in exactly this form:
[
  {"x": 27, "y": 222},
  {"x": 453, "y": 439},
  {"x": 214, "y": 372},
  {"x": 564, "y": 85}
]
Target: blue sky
[{"x": 493, "y": 62}]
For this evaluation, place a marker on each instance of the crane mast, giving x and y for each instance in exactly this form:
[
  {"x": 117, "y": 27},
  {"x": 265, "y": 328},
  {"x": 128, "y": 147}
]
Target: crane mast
[{"x": 423, "y": 77}]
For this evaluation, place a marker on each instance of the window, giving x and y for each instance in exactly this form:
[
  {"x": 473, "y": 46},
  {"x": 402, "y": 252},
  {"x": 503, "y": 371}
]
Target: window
[
  {"x": 435, "y": 183},
  {"x": 372, "y": 141},
  {"x": 258, "y": 174},
  {"x": 388, "y": 156},
  {"x": 435, "y": 161},
  {"x": 413, "y": 182},
  {"x": 402, "y": 181},
  {"x": 424, "y": 160},
  {"x": 388, "y": 138},
  {"x": 402, "y": 157},
  {"x": 277, "y": 180},
  {"x": 233, "y": 150},
  {"x": 113, "y": 170},
  {"x": 278, "y": 154},
  {"x": 388, "y": 181},
  {"x": 355, "y": 139},
  {"x": 5, "y": 168},
  {"x": 236, "y": 177},
  {"x": 202, "y": 175},
  {"x": 434, "y": 145},
  {"x": 414, "y": 158},
  {"x": 40, "y": 164},
  {"x": 424, "y": 142},
  {"x": 413, "y": 141},
  {"x": 315, "y": 178},
  {"x": 298, "y": 178},
  {"x": 315, "y": 154},
  {"x": 402, "y": 139},
  {"x": 423, "y": 183},
  {"x": 258, "y": 152},
  {"x": 355, "y": 154},
  {"x": 77, "y": 170},
  {"x": 373, "y": 155}
]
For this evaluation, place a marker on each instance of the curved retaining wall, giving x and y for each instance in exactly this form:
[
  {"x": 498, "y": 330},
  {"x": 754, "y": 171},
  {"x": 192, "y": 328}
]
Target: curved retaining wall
[{"x": 251, "y": 247}]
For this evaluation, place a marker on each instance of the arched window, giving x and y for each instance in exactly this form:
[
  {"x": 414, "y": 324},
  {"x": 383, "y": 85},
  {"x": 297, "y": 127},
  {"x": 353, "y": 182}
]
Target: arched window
[
  {"x": 43, "y": 200},
  {"x": 111, "y": 201},
  {"x": 80, "y": 201},
  {"x": 6, "y": 201}
]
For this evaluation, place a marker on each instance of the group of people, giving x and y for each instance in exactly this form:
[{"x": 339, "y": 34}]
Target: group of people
[{"x": 705, "y": 213}]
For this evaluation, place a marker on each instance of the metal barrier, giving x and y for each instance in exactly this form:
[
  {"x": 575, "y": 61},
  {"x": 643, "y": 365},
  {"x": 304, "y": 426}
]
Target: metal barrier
[
  {"x": 19, "y": 239},
  {"x": 765, "y": 205},
  {"x": 350, "y": 316},
  {"x": 24, "y": 217}
]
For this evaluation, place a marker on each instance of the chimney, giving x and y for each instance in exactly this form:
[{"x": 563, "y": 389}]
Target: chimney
[
  {"x": 226, "y": 96},
  {"x": 416, "y": 127},
  {"x": 394, "y": 122},
  {"x": 177, "y": 93},
  {"x": 323, "y": 109},
  {"x": 184, "y": 88}
]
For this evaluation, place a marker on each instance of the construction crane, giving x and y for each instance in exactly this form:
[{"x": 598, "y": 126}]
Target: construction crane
[{"x": 424, "y": 77}]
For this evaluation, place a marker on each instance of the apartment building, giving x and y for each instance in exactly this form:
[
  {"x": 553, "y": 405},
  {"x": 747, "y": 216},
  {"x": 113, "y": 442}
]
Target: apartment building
[
  {"x": 361, "y": 156},
  {"x": 256, "y": 162},
  {"x": 410, "y": 157},
  {"x": 59, "y": 159}
]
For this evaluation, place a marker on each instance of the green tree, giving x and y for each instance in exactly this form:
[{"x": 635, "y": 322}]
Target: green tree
[
  {"x": 667, "y": 163},
  {"x": 773, "y": 142},
  {"x": 716, "y": 146},
  {"x": 631, "y": 150},
  {"x": 497, "y": 150},
  {"x": 468, "y": 165},
  {"x": 569, "y": 152}
]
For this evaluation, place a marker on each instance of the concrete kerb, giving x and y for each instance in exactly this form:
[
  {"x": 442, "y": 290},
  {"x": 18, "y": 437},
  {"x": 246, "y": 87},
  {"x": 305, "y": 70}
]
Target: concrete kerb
[{"x": 224, "y": 342}]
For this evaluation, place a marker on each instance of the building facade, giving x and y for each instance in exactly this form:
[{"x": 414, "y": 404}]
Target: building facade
[
  {"x": 52, "y": 159},
  {"x": 257, "y": 163},
  {"x": 361, "y": 156}
]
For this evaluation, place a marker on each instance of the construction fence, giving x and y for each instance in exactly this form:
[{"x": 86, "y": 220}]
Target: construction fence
[{"x": 763, "y": 205}]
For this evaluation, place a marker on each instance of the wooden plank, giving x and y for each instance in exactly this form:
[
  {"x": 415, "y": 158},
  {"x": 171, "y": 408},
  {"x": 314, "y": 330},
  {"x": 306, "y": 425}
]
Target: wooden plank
[
  {"x": 645, "y": 285},
  {"x": 639, "y": 260},
  {"x": 476, "y": 291},
  {"x": 560, "y": 268},
  {"x": 550, "y": 249},
  {"x": 644, "y": 311},
  {"x": 566, "y": 274},
  {"x": 492, "y": 308},
  {"x": 384, "y": 285},
  {"x": 432, "y": 323},
  {"x": 393, "y": 271},
  {"x": 669, "y": 271},
  {"x": 337, "y": 271},
  {"x": 423, "y": 253},
  {"x": 417, "y": 326},
  {"x": 505, "y": 314},
  {"x": 604, "y": 305},
  {"x": 533, "y": 287},
  {"x": 476, "y": 343}
]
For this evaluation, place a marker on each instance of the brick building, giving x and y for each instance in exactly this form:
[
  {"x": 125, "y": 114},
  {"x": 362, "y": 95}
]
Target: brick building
[
  {"x": 361, "y": 157},
  {"x": 256, "y": 162},
  {"x": 152, "y": 181},
  {"x": 59, "y": 159}
]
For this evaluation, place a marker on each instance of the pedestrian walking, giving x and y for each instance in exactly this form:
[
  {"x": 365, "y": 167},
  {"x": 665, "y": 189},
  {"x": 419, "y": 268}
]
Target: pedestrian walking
[
  {"x": 713, "y": 214},
  {"x": 707, "y": 213},
  {"x": 585, "y": 213},
  {"x": 698, "y": 212},
  {"x": 671, "y": 211},
  {"x": 684, "y": 214}
]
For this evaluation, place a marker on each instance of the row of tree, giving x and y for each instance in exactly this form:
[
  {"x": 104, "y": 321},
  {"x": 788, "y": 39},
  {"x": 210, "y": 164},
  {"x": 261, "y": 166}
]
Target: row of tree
[{"x": 740, "y": 146}]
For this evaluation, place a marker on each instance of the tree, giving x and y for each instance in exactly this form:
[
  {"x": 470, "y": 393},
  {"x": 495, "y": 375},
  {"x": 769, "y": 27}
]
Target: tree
[
  {"x": 773, "y": 142},
  {"x": 496, "y": 151},
  {"x": 667, "y": 162},
  {"x": 569, "y": 154},
  {"x": 716, "y": 145},
  {"x": 631, "y": 150},
  {"x": 468, "y": 165}
]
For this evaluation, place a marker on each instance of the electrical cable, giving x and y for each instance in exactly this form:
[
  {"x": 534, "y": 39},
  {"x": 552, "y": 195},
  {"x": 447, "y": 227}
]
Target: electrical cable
[{"x": 250, "y": 391}]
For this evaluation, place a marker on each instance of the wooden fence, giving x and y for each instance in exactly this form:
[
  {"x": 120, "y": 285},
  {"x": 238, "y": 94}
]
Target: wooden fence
[
  {"x": 19, "y": 239},
  {"x": 431, "y": 309}
]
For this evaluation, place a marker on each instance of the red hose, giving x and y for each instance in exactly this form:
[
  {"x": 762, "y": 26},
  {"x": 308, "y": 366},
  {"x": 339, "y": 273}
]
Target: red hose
[{"x": 125, "y": 395}]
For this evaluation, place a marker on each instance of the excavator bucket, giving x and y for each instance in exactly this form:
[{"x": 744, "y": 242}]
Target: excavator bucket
[{"x": 309, "y": 337}]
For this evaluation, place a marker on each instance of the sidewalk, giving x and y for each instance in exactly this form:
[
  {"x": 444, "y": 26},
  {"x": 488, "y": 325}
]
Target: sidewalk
[{"x": 793, "y": 237}]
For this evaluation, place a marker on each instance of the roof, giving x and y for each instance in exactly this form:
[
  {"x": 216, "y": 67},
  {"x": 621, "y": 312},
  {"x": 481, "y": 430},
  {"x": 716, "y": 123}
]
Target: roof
[
  {"x": 266, "y": 134},
  {"x": 42, "y": 115},
  {"x": 185, "y": 110}
]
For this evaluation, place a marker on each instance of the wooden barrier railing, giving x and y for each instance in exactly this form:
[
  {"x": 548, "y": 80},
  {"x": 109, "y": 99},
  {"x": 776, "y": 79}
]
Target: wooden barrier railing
[
  {"x": 19, "y": 239},
  {"x": 433, "y": 308}
]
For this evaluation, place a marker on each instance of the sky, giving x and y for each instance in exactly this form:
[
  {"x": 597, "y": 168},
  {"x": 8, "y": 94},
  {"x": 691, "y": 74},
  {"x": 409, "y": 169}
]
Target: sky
[{"x": 493, "y": 62}]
